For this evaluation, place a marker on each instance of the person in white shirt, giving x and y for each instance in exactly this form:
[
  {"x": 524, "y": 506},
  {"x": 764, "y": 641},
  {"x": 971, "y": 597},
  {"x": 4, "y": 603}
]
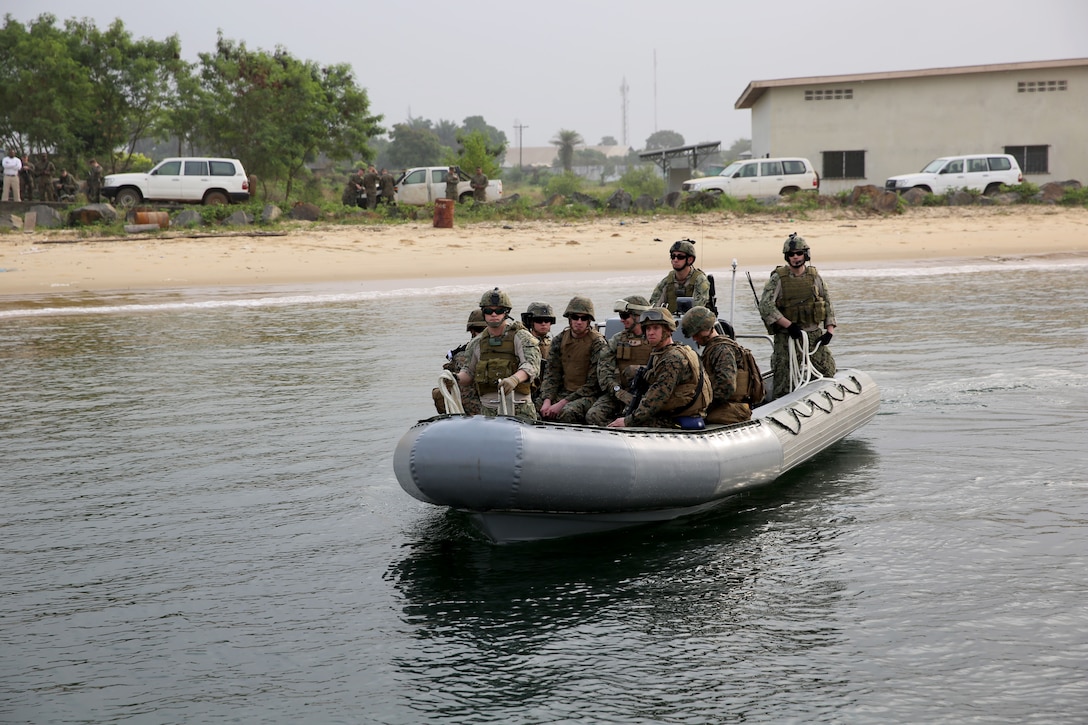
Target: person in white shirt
[{"x": 12, "y": 165}]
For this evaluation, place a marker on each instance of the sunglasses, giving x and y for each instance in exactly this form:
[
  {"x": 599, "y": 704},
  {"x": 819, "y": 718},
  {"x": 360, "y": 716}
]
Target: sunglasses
[
  {"x": 494, "y": 310},
  {"x": 678, "y": 256},
  {"x": 796, "y": 254},
  {"x": 542, "y": 320},
  {"x": 580, "y": 318}
]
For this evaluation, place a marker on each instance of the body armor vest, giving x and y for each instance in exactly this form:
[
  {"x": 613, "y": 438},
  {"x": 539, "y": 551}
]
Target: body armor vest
[
  {"x": 575, "y": 354},
  {"x": 690, "y": 398},
  {"x": 798, "y": 300},
  {"x": 631, "y": 351},
  {"x": 498, "y": 360}
]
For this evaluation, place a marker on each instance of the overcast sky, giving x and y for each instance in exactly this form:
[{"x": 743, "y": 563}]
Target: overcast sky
[{"x": 560, "y": 64}]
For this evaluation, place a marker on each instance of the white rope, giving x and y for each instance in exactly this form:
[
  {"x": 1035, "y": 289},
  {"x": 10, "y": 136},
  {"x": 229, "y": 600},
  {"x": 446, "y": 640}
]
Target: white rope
[
  {"x": 450, "y": 389},
  {"x": 802, "y": 371},
  {"x": 506, "y": 401}
]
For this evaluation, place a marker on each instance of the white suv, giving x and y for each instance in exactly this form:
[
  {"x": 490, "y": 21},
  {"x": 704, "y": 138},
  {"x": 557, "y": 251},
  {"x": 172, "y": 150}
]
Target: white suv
[
  {"x": 193, "y": 179},
  {"x": 759, "y": 177},
  {"x": 978, "y": 172}
]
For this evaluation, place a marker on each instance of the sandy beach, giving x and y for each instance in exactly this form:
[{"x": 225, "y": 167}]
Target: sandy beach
[{"x": 59, "y": 262}]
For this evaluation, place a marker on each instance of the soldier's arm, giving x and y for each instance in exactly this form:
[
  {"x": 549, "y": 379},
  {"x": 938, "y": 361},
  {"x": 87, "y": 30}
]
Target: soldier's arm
[
  {"x": 528, "y": 351},
  {"x": 721, "y": 365},
  {"x": 829, "y": 313},
  {"x": 666, "y": 377},
  {"x": 656, "y": 298},
  {"x": 767, "y": 309},
  {"x": 553, "y": 376}
]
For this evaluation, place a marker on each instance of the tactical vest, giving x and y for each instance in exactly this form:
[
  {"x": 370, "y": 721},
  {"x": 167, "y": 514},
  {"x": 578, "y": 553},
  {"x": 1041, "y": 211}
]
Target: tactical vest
[
  {"x": 749, "y": 391},
  {"x": 674, "y": 289},
  {"x": 798, "y": 300},
  {"x": 575, "y": 354},
  {"x": 498, "y": 360},
  {"x": 690, "y": 398},
  {"x": 630, "y": 351}
]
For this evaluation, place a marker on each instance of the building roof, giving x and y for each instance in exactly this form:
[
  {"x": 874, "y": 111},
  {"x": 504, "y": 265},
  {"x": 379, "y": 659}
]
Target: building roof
[
  {"x": 756, "y": 89},
  {"x": 545, "y": 155}
]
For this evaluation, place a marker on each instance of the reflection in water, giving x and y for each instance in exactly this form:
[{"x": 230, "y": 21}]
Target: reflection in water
[{"x": 693, "y": 594}]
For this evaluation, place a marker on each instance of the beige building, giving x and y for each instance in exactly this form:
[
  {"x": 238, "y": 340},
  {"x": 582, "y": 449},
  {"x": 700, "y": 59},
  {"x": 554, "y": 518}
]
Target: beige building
[{"x": 863, "y": 128}]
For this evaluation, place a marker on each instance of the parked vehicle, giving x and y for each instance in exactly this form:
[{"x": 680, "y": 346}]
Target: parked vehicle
[
  {"x": 193, "y": 179},
  {"x": 977, "y": 172},
  {"x": 759, "y": 177},
  {"x": 422, "y": 185}
]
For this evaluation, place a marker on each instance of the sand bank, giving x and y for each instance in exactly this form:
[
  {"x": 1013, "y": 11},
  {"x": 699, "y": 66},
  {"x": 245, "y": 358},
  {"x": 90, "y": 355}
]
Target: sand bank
[{"x": 58, "y": 262}]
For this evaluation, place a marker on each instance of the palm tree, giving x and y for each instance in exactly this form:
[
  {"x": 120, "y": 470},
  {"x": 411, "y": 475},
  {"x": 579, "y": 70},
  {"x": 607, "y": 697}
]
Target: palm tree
[{"x": 565, "y": 141}]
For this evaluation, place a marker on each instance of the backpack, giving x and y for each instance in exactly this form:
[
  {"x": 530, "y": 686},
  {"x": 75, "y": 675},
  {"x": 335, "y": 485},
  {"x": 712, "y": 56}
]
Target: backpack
[{"x": 748, "y": 374}]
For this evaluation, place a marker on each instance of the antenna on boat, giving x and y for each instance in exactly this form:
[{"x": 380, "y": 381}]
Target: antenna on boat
[{"x": 733, "y": 295}]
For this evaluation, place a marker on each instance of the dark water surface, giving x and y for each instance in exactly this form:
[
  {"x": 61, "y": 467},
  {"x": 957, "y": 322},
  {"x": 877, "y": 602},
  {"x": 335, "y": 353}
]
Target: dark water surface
[{"x": 201, "y": 524}]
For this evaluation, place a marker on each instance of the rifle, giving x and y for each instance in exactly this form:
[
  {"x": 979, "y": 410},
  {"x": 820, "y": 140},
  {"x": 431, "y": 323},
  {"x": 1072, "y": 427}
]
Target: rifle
[
  {"x": 753, "y": 286},
  {"x": 713, "y": 304},
  {"x": 637, "y": 389}
]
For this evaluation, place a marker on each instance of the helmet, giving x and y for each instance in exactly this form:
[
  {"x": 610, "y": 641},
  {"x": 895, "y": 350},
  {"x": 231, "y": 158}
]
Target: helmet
[
  {"x": 580, "y": 306},
  {"x": 658, "y": 316},
  {"x": 495, "y": 298},
  {"x": 540, "y": 311},
  {"x": 795, "y": 243},
  {"x": 696, "y": 320},
  {"x": 687, "y": 246},
  {"x": 475, "y": 319},
  {"x": 634, "y": 303}
]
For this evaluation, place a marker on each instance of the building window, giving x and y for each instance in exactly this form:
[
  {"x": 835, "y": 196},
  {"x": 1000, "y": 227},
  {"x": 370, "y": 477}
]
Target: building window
[
  {"x": 844, "y": 165},
  {"x": 830, "y": 94},
  {"x": 1032, "y": 159},
  {"x": 1039, "y": 86}
]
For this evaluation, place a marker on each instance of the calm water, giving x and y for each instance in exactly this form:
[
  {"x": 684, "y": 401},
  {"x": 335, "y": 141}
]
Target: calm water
[{"x": 201, "y": 524}]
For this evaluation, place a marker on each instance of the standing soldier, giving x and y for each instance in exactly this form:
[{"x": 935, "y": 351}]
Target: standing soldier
[
  {"x": 683, "y": 281},
  {"x": 570, "y": 386},
  {"x": 455, "y": 360},
  {"x": 504, "y": 360},
  {"x": 479, "y": 186},
  {"x": 734, "y": 379},
  {"x": 26, "y": 179},
  {"x": 794, "y": 304},
  {"x": 452, "y": 180},
  {"x": 674, "y": 391},
  {"x": 94, "y": 182},
  {"x": 370, "y": 186},
  {"x": 389, "y": 188},
  {"x": 46, "y": 169},
  {"x": 627, "y": 351}
]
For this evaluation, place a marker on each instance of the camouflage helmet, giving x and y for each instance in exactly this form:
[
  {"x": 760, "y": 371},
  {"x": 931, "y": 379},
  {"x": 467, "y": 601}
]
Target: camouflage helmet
[
  {"x": 634, "y": 303},
  {"x": 475, "y": 319},
  {"x": 495, "y": 298},
  {"x": 687, "y": 246},
  {"x": 579, "y": 305},
  {"x": 795, "y": 243},
  {"x": 658, "y": 316},
  {"x": 696, "y": 320},
  {"x": 540, "y": 311}
]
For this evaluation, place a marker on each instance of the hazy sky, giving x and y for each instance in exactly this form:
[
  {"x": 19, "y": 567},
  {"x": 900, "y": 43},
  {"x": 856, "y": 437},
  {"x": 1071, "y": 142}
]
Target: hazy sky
[{"x": 560, "y": 64}]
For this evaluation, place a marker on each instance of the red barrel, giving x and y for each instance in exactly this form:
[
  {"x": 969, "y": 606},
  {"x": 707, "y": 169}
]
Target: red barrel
[
  {"x": 153, "y": 217},
  {"x": 443, "y": 213}
]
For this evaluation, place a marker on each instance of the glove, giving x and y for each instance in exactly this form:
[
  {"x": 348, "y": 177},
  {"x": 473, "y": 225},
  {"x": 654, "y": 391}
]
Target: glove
[
  {"x": 825, "y": 339},
  {"x": 508, "y": 384},
  {"x": 795, "y": 331}
]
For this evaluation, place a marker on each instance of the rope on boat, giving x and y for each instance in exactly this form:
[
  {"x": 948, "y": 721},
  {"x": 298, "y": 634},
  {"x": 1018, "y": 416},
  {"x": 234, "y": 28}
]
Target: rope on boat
[
  {"x": 802, "y": 371},
  {"x": 450, "y": 389},
  {"x": 506, "y": 401}
]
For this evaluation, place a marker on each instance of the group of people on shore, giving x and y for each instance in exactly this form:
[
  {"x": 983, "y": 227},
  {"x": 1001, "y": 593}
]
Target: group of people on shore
[
  {"x": 368, "y": 187},
  {"x": 38, "y": 181},
  {"x": 641, "y": 376}
]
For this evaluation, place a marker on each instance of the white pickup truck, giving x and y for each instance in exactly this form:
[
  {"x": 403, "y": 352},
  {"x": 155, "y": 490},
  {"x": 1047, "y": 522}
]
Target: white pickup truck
[{"x": 424, "y": 184}]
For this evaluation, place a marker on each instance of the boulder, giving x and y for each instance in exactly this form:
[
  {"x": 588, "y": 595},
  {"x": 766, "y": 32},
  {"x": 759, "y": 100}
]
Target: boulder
[
  {"x": 672, "y": 199},
  {"x": 1053, "y": 191},
  {"x": 914, "y": 196},
  {"x": 620, "y": 200},
  {"x": 48, "y": 217},
  {"x": 1004, "y": 198},
  {"x": 961, "y": 198},
  {"x": 270, "y": 213},
  {"x": 868, "y": 191},
  {"x": 701, "y": 200},
  {"x": 645, "y": 202},
  {"x": 885, "y": 201},
  {"x": 509, "y": 199},
  {"x": 585, "y": 200},
  {"x": 92, "y": 214},
  {"x": 238, "y": 219},
  {"x": 555, "y": 200},
  {"x": 305, "y": 211},
  {"x": 188, "y": 218},
  {"x": 11, "y": 222}
]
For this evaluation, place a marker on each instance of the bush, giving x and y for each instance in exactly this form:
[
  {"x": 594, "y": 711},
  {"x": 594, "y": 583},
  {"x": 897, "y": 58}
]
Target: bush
[
  {"x": 1026, "y": 191},
  {"x": 564, "y": 184},
  {"x": 1075, "y": 197},
  {"x": 639, "y": 180}
]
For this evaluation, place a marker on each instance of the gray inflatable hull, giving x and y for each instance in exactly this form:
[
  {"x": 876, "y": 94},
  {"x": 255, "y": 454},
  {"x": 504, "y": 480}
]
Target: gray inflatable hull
[{"x": 523, "y": 481}]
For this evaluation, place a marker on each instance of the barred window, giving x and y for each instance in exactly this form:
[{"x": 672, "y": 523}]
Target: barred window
[
  {"x": 1039, "y": 86},
  {"x": 1032, "y": 159},
  {"x": 830, "y": 94},
  {"x": 844, "y": 164}
]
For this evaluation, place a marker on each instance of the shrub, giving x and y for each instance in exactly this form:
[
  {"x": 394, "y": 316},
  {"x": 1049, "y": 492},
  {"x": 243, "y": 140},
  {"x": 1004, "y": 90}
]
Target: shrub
[
  {"x": 566, "y": 184},
  {"x": 639, "y": 180},
  {"x": 1026, "y": 191},
  {"x": 1075, "y": 197}
]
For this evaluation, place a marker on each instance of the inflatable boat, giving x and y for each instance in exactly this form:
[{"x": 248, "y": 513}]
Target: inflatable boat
[{"x": 522, "y": 481}]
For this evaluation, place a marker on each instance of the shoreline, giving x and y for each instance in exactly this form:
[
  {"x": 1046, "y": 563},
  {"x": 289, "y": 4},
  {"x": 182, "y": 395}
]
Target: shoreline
[{"x": 60, "y": 264}]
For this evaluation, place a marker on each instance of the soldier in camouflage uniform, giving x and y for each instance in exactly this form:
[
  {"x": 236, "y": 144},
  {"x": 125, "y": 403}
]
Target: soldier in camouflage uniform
[
  {"x": 684, "y": 280},
  {"x": 94, "y": 182},
  {"x": 455, "y": 360},
  {"x": 479, "y": 186},
  {"x": 794, "y": 304},
  {"x": 26, "y": 179},
  {"x": 352, "y": 189},
  {"x": 506, "y": 358},
  {"x": 538, "y": 319},
  {"x": 370, "y": 187},
  {"x": 452, "y": 180},
  {"x": 46, "y": 169},
  {"x": 388, "y": 188},
  {"x": 722, "y": 359},
  {"x": 65, "y": 187},
  {"x": 675, "y": 385},
  {"x": 627, "y": 351},
  {"x": 570, "y": 386}
]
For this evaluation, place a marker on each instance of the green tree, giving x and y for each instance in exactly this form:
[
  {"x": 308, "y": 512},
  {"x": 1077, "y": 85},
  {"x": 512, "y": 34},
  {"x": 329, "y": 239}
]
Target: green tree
[
  {"x": 565, "y": 142},
  {"x": 494, "y": 138},
  {"x": 664, "y": 140},
  {"x": 609, "y": 141},
  {"x": 275, "y": 112},
  {"x": 409, "y": 146},
  {"x": 739, "y": 146},
  {"x": 474, "y": 153},
  {"x": 644, "y": 179}
]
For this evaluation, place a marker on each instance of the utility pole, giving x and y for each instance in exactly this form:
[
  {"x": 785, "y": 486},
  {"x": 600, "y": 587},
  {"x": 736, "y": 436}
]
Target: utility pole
[
  {"x": 519, "y": 127},
  {"x": 623, "y": 108}
]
